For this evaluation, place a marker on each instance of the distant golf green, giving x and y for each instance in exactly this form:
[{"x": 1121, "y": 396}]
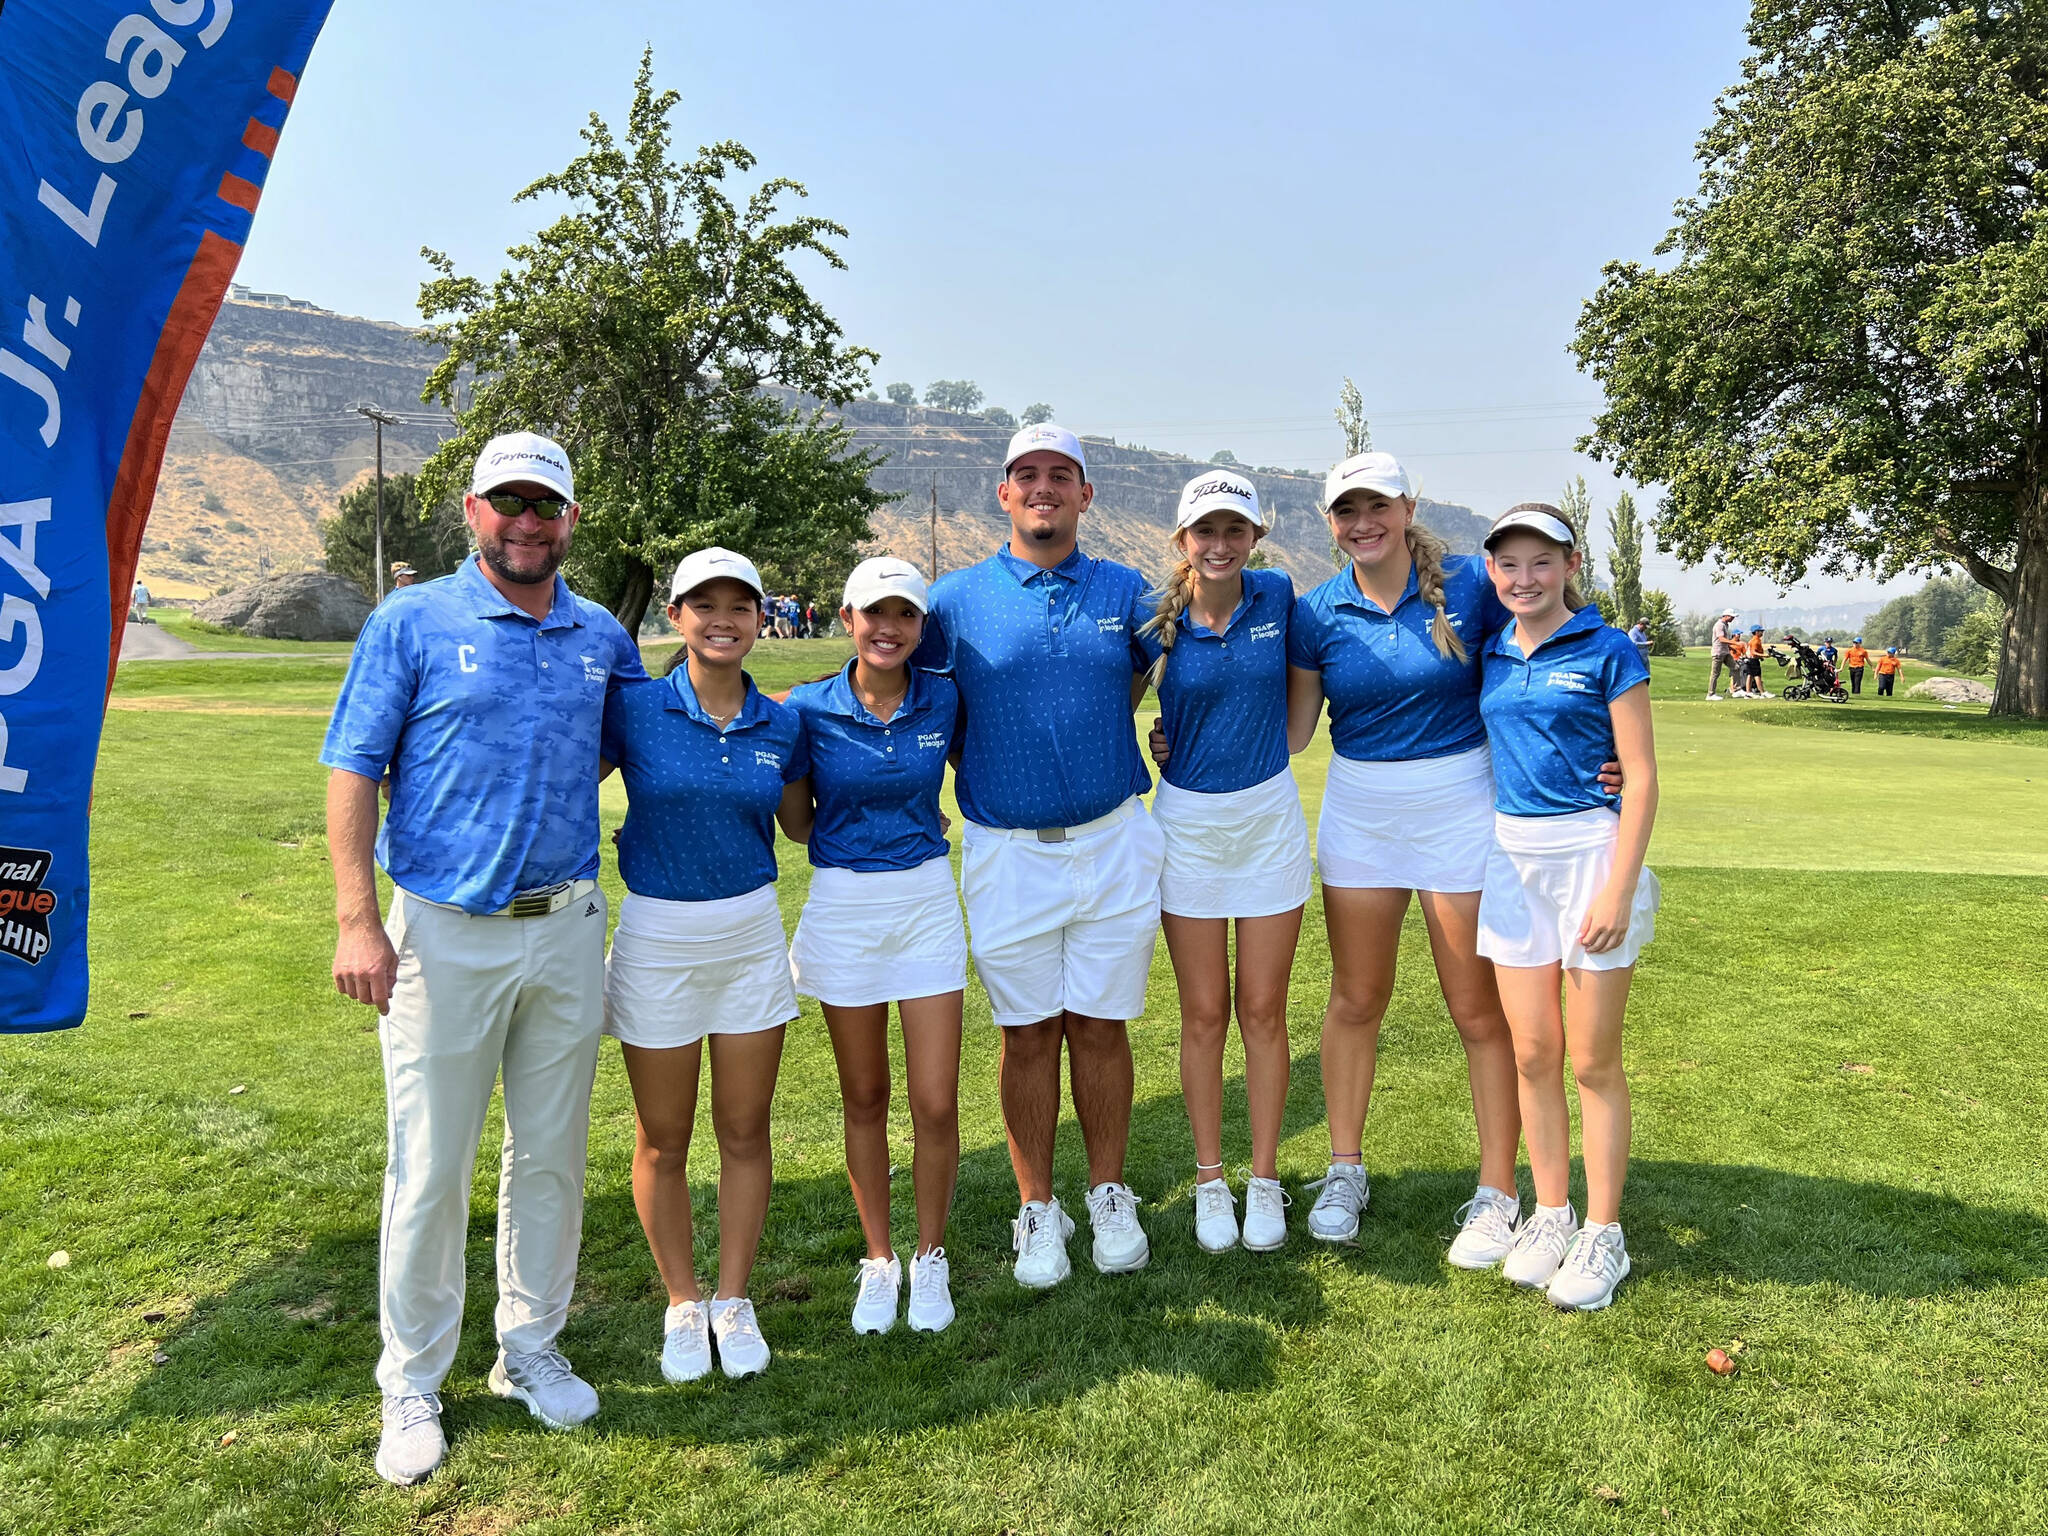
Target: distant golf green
[{"x": 1839, "y": 1044}]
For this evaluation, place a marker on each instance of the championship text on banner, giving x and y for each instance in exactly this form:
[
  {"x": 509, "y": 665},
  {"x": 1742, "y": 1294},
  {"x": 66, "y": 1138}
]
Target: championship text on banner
[{"x": 134, "y": 139}]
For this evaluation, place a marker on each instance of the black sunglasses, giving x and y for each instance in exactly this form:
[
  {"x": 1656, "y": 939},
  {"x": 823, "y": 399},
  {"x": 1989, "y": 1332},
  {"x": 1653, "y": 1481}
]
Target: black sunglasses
[{"x": 546, "y": 508}]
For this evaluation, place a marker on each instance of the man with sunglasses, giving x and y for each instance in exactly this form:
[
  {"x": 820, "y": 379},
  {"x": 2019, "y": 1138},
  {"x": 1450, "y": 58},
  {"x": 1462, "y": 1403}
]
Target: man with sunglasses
[{"x": 481, "y": 696}]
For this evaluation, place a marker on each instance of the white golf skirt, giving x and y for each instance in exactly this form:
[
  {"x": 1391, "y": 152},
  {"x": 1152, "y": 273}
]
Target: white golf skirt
[
  {"x": 1425, "y": 824},
  {"x": 681, "y": 970},
  {"x": 875, "y": 936},
  {"x": 1238, "y": 853},
  {"x": 1544, "y": 874}
]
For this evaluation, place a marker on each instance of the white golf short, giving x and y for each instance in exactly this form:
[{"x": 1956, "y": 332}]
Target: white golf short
[
  {"x": 1238, "y": 853},
  {"x": 1544, "y": 874},
  {"x": 1425, "y": 824},
  {"x": 1064, "y": 926},
  {"x": 874, "y": 936},
  {"x": 681, "y": 970}
]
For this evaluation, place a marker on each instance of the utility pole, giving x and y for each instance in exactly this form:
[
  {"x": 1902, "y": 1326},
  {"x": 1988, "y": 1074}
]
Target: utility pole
[
  {"x": 383, "y": 419},
  {"x": 935, "y": 525}
]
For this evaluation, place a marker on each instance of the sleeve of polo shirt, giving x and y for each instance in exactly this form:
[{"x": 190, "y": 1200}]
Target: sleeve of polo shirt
[
  {"x": 612, "y": 746},
  {"x": 1143, "y": 605},
  {"x": 799, "y": 764},
  {"x": 1623, "y": 668},
  {"x": 1304, "y": 648},
  {"x": 934, "y": 652},
  {"x": 627, "y": 667},
  {"x": 376, "y": 697}
]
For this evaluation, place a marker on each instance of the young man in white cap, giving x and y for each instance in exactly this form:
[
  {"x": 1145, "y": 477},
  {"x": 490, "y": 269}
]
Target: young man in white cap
[
  {"x": 1724, "y": 655},
  {"x": 1060, "y": 859},
  {"x": 482, "y": 698}
]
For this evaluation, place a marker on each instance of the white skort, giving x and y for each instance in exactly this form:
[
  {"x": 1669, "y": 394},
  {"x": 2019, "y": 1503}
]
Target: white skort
[
  {"x": 1238, "y": 853},
  {"x": 1425, "y": 824},
  {"x": 681, "y": 970},
  {"x": 1544, "y": 874},
  {"x": 875, "y": 936},
  {"x": 1067, "y": 926}
]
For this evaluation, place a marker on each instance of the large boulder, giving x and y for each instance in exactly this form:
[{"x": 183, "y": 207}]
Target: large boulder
[
  {"x": 305, "y": 605},
  {"x": 1950, "y": 690}
]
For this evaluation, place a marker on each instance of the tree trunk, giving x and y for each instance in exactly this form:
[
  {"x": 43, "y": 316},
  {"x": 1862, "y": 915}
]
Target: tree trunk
[
  {"x": 634, "y": 595},
  {"x": 2022, "y": 688}
]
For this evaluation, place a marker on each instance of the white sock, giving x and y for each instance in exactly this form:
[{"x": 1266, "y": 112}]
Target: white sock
[{"x": 1564, "y": 1210}]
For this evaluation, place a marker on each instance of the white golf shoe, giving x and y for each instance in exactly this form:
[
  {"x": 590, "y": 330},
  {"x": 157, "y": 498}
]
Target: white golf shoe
[
  {"x": 411, "y": 1445},
  {"x": 686, "y": 1341},
  {"x": 1265, "y": 1214},
  {"x": 741, "y": 1349},
  {"x": 1215, "y": 1216},
  {"x": 543, "y": 1380},
  {"x": 1540, "y": 1245},
  {"x": 1039, "y": 1234},
  {"x": 1593, "y": 1266},
  {"x": 874, "y": 1304},
  {"x": 1346, "y": 1191},
  {"x": 931, "y": 1292},
  {"x": 1488, "y": 1223},
  {"x": 1120, "y": 1243}
]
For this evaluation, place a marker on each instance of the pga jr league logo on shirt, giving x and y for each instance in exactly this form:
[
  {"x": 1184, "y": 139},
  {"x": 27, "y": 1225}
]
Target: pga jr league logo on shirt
[{"x": 25, "y": 907}]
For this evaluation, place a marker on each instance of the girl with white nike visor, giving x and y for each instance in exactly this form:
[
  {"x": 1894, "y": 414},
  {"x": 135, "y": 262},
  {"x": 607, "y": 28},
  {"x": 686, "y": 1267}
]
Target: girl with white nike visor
[
  {"x": 709, "y": 762},
  {"x": 1568, "y": 902},
  {"x": 1236, "y": 841},
  {"x": 882, "y": 924}
]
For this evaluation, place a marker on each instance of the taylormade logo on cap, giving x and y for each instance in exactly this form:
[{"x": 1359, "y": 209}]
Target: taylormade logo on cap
[
  {"x": 515, "y": 456},
  {"x": 1045, "y": 438}
]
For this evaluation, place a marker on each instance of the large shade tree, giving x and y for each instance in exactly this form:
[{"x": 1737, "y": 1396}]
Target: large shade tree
[
  {"x": 648, "y": 328},
  {"x": 1844, "y": 363}
]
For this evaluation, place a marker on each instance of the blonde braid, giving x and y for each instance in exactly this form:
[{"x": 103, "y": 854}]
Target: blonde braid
[
  {"x": 1174, "y": 598},
  {"x": 1428, "y": 551}
]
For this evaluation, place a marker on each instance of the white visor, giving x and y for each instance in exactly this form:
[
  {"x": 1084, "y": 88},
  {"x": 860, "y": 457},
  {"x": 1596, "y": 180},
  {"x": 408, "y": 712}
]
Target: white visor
[{"x": 1549, "y": 524}]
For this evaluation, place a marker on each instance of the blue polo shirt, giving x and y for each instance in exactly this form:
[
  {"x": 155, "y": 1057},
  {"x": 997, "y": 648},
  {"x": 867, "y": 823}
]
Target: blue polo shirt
[
  {"x": 1547, "y": 714},
  {"x": 1393, "y": 697},
  {"x": 1044, "y": 661},
  {"x": 487, "y": 720},
  {"x": 700, "y": 799},
  {"x": 1224, "y": 697},
  {"x": 876, "y": 782}
]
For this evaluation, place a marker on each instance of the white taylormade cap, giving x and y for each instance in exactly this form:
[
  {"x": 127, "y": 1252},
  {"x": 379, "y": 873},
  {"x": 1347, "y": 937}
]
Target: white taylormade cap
[
  {"x": 711, "y": 564},
  {"x": 1047, "y": 438},
  {"x": 886, "y": 576},
  {"x": 522, "y": 456},
  {"x": 1537, "y": 517},
  {"x": 1219, "y": 491},
  {"x": 1380, "y": 472}
]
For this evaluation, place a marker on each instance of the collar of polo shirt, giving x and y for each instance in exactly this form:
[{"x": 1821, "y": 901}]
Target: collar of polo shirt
[
  {"x": 1072, "y": 568},
  {"x": 487, "y": 602},
  {"x": 1584, "y": 621},
  {"x": 683, "y": 698},
  {"x": 1352, "y": 597},
  {"x": 840, "y": 699}
]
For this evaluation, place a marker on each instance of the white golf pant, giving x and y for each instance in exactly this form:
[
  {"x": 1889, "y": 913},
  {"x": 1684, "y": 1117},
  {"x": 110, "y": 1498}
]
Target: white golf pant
[{"x": 474, "y": 995}]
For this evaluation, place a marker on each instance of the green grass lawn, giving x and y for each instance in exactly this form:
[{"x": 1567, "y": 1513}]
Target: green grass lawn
[{"x": 1838, "y": 1051}]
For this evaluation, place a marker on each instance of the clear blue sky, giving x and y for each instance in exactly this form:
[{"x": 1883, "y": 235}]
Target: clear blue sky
[{"x": 1182, "y": 225}]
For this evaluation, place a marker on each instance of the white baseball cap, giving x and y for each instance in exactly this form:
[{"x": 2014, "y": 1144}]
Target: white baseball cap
[
  {"x": 1218, "y": 490},
  {"x": 1045, "y": 438},
  {"x": 886, "y": 576},
  {"x": 1380, "y": 472},
  {"x": 1727, "y": 613},
  {"x": 1537, "y": 517},
  {"x": 711, "y": 565},
  {"x": 522, "y": 456}
]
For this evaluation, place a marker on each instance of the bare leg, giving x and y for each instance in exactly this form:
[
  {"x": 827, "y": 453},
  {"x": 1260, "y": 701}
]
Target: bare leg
[
  {"x": 1594, "y": 1004},
  {"x": 1265, "y": 959},
  {"x": 1102, "y": 1080},
  {"x": 1530, "y": 995},
  {"x": 664, "y": 1111},
  {"x": 1030, "y": 1076},
  {"x": 860, "y": 1049},
  {"x": 743, "y": 1071},
  {"x": 931, "y": 1059},
  {"x": 1201, "y": 970},
  {"x": 1474, "y": 1000},
  {"x": 1365, "y": 939}
]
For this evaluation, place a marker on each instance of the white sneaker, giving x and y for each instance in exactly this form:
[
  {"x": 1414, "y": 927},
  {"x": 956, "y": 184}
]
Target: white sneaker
[
  {"x": 1486, "y": 1234},
  {"x": 1039, "y": 1234},
  {"x": 1215, "y": 1216},
  {"x": 686, "y": 1341},
  {"x": 1346, "y": 1191},
  {"x": 874, "y": 1305},
  {"x": 1540, "y": 1245},
  {"x": 741, "y": 1349},
  {"x": 552, "y": 1392},
  {"x": 1120, "y": 1243},
  {"x": 1265, "y": 1214},
  {"x": 1595, "y": 1264},
  {"x": 1714, "y": 696},
  {"x": 411, "y": 1445},
  {"x": 931, "y": 1292}
]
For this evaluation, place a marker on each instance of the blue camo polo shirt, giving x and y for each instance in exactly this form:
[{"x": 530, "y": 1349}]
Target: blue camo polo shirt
[
  {"x": 488, "y": 721},
  {"x": 700, "y": 799},
  {"x": 1043, "y": 660},
  {"x": 876, "y": 782},
  {"x": 1223, "y": 698},
  {"x": 1393, "y": 696},
  {"x": 1547, "y": 714}
]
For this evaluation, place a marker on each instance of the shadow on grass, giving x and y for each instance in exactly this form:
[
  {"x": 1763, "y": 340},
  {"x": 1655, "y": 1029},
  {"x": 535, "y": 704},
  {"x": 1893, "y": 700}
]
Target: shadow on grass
[
  {"x": 1906, "y": 718},
  {"x": 305, "y": 1331}
]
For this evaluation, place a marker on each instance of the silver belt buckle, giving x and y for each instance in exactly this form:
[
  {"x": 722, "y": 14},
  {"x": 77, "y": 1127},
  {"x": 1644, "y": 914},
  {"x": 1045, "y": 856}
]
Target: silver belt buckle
[
  {"x": 538, "y": 903},
  {"x": 1052, "y": 834}
]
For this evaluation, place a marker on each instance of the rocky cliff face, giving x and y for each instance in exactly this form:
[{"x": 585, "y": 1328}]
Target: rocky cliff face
[{"x": 267, "y": 439}]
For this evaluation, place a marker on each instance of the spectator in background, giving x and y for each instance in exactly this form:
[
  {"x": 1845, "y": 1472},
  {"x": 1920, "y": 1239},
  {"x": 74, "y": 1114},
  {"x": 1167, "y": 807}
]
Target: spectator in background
[
  {"x": 402, "y": 574},
  {"x": 1888, "y": 671},
  {"x": 1858, "y": 658},
  {"x": 1827, "y": 651},
  {"x": 138, "y": 603},
  {"x": 810, "y": 620},
  {"x": 1639, "y": 637},
  {"x": 1724, "y": 655}
]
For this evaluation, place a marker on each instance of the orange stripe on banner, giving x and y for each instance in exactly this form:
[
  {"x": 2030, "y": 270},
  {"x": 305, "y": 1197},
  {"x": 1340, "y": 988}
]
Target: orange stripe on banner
[
  {"x": 177, "y": 350},
  {"x": 260, "y": 137},
  {"x": 243, "y": 194},
  {"x": 284, "y": 85}
]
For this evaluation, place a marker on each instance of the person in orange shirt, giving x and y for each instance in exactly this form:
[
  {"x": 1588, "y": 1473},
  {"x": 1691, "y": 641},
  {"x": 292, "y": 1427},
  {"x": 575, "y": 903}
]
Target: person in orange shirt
[
  {"x": 1857, "y": 659},
  {"x": 1753, "y": 662},
  {"x": 1888, "y": 671}
]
